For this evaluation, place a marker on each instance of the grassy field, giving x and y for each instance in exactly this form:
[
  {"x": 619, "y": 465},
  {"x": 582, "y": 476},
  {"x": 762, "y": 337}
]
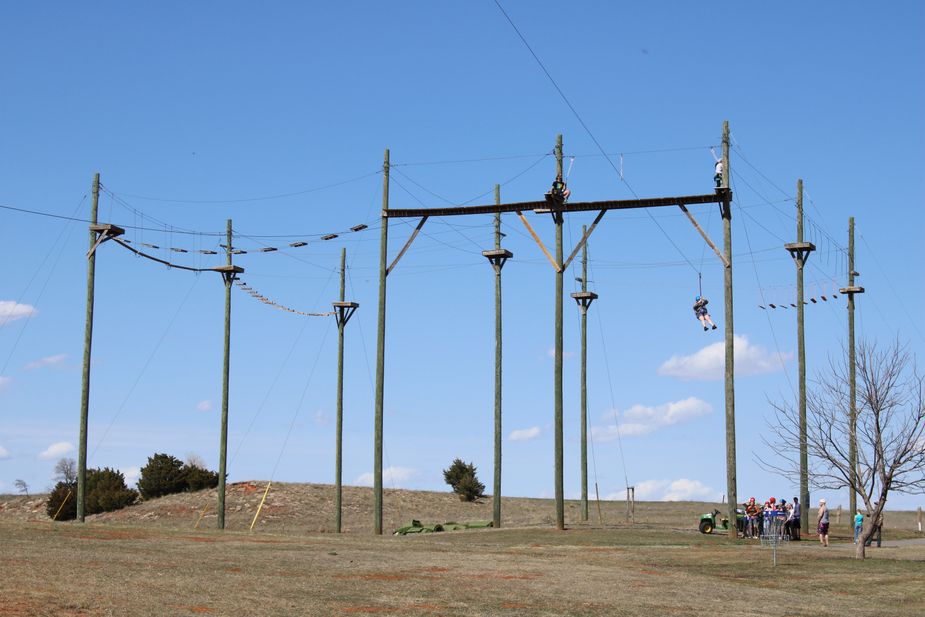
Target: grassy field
[{"x": 149, "y": 560}]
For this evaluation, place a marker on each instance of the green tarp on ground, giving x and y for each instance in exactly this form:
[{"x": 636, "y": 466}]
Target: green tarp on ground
[{"x": 417, "y": 527}]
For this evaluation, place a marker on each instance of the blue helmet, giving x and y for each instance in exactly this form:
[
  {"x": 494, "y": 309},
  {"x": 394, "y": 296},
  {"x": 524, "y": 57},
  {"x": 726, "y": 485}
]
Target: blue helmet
[{"x": 697, "y": 299}]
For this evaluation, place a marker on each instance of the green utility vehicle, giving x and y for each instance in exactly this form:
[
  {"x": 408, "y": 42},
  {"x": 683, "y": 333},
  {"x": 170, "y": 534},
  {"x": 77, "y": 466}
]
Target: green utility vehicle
[{"x": 709, "y": 523}]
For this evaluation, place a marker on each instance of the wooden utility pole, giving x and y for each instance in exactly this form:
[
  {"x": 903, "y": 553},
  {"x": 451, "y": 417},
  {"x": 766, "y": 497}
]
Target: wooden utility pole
[
  {"x": 584, "y": 298},
  {"x": 497, "y": 258},
  {"x": 343, "y": 311},
  {"x": 729, "y": 330},
  {"x": 558, "y": 217},
  {"x": 850, "y": 291},
  {"x": 800, "y": 251},
  {"x": 380, "y": 348},
  {"x": 88, "y": 343},
  {"x": 229, "y": 278}
]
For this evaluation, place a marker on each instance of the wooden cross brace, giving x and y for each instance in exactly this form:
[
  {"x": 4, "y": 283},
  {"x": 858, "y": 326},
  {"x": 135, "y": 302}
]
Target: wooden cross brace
[
  {"x": 343, "y": 311},
  {"x": 497, "y": 258},
  {"x": 800, "y": 251},
  {"x": 104, "y": 232}
]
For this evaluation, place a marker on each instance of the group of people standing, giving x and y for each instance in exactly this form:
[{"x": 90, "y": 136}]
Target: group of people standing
[{"x": 761, "y": 520}]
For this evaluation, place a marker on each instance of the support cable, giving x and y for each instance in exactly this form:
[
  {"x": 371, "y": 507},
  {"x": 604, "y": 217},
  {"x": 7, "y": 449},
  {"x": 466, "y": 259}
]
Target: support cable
[
  {"x": 613, "y": 400},
  {"x": 279, "y": 372},
  {"x": 60, "y": 240},
  {"x": 253, "y": 199},
  {"x": 590, "y": 134},
  {"x": 770, "y": 324},
  {"x": 298, "y": 408},
  {"x": 144, "y": 367},
  {"x": 893, "y": 289}
]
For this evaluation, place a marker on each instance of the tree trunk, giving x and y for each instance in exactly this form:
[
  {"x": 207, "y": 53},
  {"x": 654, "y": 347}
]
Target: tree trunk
[{"x": 867, "y": 532}]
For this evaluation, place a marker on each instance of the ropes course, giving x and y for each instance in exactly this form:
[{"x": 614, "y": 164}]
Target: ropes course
[{"x": 258, "y": 296}]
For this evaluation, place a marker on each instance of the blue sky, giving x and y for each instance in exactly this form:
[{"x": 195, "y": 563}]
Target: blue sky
[{"x": 196, "y": 113}]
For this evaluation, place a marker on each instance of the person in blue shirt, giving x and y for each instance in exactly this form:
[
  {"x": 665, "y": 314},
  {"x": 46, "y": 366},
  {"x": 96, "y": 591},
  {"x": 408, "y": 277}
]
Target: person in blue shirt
[{"x": 858, "y": 524}]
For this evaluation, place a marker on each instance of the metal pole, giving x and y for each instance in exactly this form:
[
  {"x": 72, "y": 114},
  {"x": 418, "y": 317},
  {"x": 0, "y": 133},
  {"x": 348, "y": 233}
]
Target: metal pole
[
  {"x": 223, "y": 440},
  {"x": 339, "y": 429},
  {"x": 584, "y": 382},
  {"x": 88, "y": 343},
  {"x": 557, "y": 374},
  {"x": 496, "y": 501},
  {"x": 852, "y": 372},
  {"x": 729, "y": 340},
  {"x": 801, "y": 353},
  {"x": 380, "y": 349}
]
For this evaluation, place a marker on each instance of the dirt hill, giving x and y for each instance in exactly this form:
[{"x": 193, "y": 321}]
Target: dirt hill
[{"x": 309, "y": 508}]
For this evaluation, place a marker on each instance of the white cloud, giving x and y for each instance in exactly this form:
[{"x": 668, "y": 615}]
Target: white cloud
[
  {"x": 709, "y": 363},
  {"x": 46, "y": 361},
  {"x": 56, "y": 450},
  {"x": 4, "y": 453},
  {"x": 642, "y": 420},
  {"x": 524, "y": 434},
  {"x": 131, "y": 475},
  {"x": 11, "y": 311},
  {"x": 391, "y": 477},
  {"x": 674, "y": 490},
  {"x": 4, "y": 382},
  {"x": 321, "y": 418},
  {"x": 205, "y": 405}
]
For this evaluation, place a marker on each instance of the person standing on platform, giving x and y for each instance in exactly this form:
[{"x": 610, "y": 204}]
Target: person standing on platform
[{"x": 717, "y": 169}]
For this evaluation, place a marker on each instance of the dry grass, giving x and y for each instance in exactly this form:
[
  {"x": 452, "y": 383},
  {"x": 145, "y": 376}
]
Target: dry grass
[{"x": 149, "y": 561}]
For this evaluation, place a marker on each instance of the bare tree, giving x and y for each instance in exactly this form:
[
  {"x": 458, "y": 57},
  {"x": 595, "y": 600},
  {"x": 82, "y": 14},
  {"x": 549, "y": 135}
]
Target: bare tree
[
  {"x": 194, "y": 460},
  {"x": 22, "y": 487},
  {"x": 890, "y": 431},
  {"x": 66, "y": 471}
]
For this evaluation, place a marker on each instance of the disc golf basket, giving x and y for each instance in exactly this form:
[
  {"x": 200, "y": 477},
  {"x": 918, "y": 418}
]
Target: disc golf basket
[{"x": 773, "y": 532}]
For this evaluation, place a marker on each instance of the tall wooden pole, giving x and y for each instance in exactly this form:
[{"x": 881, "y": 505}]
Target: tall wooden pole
[
  {"x": 88, "y": 343},
  {"x": 852, "y": 376},
  {"x": 339, "y": 429},
  {"x": 729, "y": 331},
  {"x": 496, "y": 498},
  {"x": 557, "y": 379},
  {"x": 223, "y": 439},
  {"x": 380, "y": 349},
  {"x": 801, "y": 352},
  {"x": 584, "y": 381}
]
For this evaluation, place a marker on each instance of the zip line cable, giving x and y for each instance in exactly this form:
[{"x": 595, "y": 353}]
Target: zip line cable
[
  {"x": 780, "y": 356},
  {"x": 741, "y": 153},
  {"x": 590, "y": 134},
  {"x": 144, "y": 367}
]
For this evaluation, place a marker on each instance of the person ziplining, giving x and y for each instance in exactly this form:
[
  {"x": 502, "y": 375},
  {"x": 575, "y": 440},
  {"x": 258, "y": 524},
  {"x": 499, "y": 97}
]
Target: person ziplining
[
  {"x": 717, "y": 169},
  {"x": 700, "y": 310}
]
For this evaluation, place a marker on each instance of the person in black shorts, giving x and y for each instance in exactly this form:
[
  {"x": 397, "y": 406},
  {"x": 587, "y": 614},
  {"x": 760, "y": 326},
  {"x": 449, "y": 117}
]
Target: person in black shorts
[{"x": 700, "y": 310}]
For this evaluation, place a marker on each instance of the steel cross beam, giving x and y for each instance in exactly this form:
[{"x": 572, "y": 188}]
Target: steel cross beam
[{"x": 721, "y": 195}]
